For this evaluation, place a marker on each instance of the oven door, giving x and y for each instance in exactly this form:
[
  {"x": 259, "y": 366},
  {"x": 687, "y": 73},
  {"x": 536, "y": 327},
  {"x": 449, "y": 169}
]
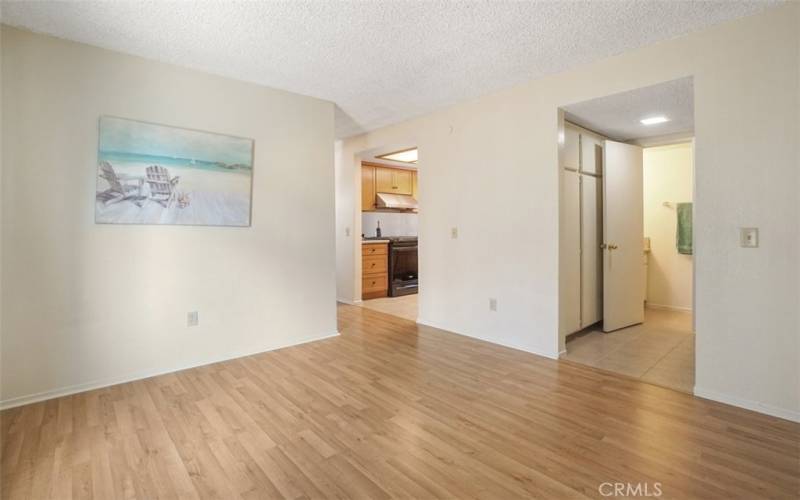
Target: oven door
[{"x": 403, "y": 277}]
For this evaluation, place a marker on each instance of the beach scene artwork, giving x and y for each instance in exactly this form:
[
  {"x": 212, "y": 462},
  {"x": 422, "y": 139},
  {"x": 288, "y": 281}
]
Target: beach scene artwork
[{"x": 157, "y": 174}]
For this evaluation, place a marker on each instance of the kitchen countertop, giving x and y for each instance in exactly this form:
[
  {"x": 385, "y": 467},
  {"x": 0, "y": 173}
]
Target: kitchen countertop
[{"x": 366, "y": 242}]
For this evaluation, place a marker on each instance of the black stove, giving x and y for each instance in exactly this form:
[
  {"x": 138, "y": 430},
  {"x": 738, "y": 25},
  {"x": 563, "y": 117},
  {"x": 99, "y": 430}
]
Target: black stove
[{"x": 403, "y": 277}]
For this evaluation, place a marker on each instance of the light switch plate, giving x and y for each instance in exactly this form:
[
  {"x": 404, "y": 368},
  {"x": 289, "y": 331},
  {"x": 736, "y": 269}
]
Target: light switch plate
[
  {"x": 192, "y": 318},
  {"x": 748, "y": 237},
  {"x": 454, "y": 232}
]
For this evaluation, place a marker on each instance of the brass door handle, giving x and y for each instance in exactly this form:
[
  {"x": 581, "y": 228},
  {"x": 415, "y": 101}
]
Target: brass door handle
[
  {"x": 603, "y": 246},
  {"x": 612, "y": 247}
]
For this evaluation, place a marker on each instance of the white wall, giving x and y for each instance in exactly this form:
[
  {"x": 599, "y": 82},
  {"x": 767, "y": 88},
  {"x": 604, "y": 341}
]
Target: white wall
[
  {"x": 667, "y": 178},
  {"x": 96, "y": 304},
  {"x": 392, "y": 223},
  {"x": 501, "y": 149}
]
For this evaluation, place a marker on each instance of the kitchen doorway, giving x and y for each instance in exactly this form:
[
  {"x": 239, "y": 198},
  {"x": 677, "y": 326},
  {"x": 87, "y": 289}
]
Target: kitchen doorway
[
  {"x": 389, "y": 186},
  {"x": 626, "y": 276}
]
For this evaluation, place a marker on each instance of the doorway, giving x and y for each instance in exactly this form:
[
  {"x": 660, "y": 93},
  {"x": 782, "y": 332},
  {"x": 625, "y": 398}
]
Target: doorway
[
  {"x": 626, "y": 245},
  {"x": 389, "y": 271}
]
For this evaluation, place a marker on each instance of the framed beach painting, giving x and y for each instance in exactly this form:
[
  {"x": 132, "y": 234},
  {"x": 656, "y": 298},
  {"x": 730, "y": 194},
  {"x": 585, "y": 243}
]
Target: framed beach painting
[{"x": 157, "y": 174}]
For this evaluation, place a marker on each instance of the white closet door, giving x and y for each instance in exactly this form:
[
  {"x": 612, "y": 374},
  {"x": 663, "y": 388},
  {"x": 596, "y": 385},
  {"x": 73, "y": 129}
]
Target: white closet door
[
  {"x": 571, "y": 240},
  {"x": 591, "y": 154},
  {"x": 571, "y": 156},
  {"x": 623, "y": 225},
  {"x": 591, "y": 254}
]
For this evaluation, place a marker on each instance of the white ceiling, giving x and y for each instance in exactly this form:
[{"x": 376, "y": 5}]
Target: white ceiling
[
  {"x": 618, "y": 116},
  {"x": 380, "y": 61}
]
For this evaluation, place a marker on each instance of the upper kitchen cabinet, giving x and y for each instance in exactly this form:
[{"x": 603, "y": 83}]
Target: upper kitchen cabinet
[
  {"x": 367, "y": 188},
  {"x": 394, "y": 180}
]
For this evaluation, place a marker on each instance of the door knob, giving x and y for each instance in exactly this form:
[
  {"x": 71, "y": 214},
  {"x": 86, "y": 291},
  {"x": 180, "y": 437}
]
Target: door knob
[{"x": 612, "y": 247}]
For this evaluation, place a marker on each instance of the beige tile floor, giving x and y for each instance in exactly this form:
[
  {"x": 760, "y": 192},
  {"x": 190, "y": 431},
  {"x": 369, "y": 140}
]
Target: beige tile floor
[
  {"x": 659, "y": 351},
  {"x": 404, "y": 307}
]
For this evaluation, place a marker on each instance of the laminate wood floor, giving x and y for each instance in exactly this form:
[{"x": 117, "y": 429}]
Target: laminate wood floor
[{"x": 392, "y": 409}]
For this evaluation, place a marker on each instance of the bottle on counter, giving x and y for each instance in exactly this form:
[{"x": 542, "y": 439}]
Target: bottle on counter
[{"x": 378, "y": 230}]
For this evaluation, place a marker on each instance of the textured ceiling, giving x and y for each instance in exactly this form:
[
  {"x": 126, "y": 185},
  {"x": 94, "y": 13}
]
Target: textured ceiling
[
  {"x": 617, "y": 116},
  {"x": 380, "y": 61}
]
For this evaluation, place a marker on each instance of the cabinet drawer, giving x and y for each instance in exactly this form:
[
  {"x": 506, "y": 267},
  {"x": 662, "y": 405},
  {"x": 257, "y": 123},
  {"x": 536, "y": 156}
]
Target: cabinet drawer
[
  {"x": 374, "y": 249},
  {"x": 376, "y": 283},
  {"x": 378, "y": 264}
]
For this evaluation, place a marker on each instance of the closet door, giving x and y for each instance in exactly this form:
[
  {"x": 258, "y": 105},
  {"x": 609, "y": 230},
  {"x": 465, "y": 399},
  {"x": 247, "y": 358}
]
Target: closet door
[
  {"x": 591, "y": 154},
  {"x": 571, "y": 241},
  {"x": 591, "y": 254},
  {"x": 571, "y": 155}
]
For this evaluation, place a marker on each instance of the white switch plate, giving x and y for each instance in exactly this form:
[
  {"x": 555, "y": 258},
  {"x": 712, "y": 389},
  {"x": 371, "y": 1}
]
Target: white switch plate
[
  {"x": 347, "y": 231},
  {"x": 493, "y": 304},
  {"x": 192, "y": 319},
  {"x": 454, "y": 232},
  {"x": 748, "y": 237}
]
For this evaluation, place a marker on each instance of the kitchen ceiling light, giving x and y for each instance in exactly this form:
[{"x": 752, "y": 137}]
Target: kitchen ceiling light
[
  {"x": 654, "y": 120},
  {"x": 405, "y": 156}
]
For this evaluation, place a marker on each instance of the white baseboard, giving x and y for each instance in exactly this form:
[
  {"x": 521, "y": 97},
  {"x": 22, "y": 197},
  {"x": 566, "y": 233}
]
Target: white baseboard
[
  {"x": 425, "y": 322},
  {"x": 349, "y": 302},
  {"x": 747, "y": 404},
  {"x": 131, "y": 377},
  {"x": 668, "y": 307}
]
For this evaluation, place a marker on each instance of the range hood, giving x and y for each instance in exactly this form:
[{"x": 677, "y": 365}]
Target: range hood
[{"x": 396, "y": 201}]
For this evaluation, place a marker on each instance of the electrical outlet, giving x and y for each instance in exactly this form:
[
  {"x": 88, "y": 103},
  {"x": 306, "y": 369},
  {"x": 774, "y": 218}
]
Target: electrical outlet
[
  {"x": 748, "y": 237},
  {"x": 492, "y": 304},
  {"x": 192, "y": 319},
  {"x": 454, "y": 233},
  {"x": 347, "y": 231}
]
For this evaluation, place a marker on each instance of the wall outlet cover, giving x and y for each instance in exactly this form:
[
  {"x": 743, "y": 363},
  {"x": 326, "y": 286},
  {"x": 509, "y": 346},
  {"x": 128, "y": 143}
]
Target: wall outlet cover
[
  {"x": 748, "y": 237},
  {"x": 454, "y": 232},
  {"x": 492, "y": 304},
  {"x": 192, "y": 318}
]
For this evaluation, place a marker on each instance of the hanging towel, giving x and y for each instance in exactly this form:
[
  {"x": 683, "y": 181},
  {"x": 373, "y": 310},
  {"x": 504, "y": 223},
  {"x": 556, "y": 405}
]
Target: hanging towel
[{"x": 683, "y": 238}]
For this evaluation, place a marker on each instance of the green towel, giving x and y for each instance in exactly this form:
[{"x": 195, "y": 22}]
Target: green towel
[{"x": 683, "y": 238}]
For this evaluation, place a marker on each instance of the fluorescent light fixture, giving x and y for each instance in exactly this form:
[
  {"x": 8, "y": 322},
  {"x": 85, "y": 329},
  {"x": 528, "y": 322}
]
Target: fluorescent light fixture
[
  {"x": 405, "y": 156},
  {"x": 654, "y": 120}
]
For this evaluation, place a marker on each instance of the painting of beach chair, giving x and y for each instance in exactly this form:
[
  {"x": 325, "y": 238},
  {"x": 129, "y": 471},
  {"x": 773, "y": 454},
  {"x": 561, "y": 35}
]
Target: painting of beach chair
[
  {"x": 121, "y": 186},
  {"x": 162, "y": 188}
]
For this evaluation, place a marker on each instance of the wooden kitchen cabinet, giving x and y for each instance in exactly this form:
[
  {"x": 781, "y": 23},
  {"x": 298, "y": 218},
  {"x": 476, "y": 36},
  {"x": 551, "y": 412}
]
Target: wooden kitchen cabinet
[
  {"x": 367, "y": 188},
  {"x": 384, "y": 180},
  {"x": 394, "y": 180},
  {"x": 404, "y": 181},
  {"x": 374, "y": 270}
]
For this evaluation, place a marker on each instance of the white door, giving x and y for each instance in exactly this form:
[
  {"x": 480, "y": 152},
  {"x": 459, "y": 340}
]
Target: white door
[
  {"x": 591, "y": 255},
  {"x": 623, "y": 224},
  {"x": 571, "y": 252}
]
